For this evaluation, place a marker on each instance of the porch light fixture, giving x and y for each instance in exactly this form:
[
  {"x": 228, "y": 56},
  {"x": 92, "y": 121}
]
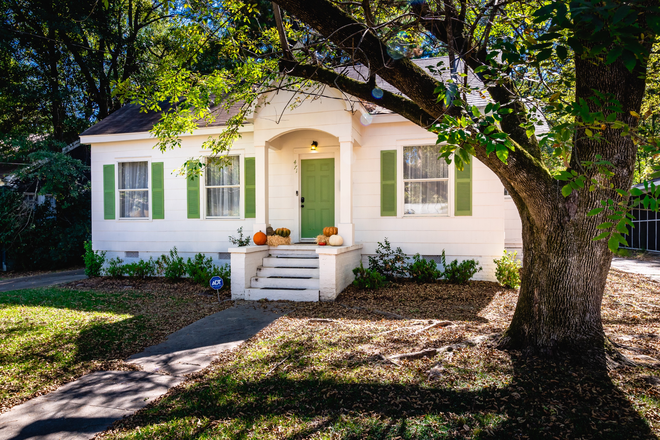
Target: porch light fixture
[{"x": 314, "y": 147}]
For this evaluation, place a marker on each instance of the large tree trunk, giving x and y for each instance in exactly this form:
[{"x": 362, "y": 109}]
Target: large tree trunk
[
  {"x": 564, "y": 275},
  {"x": 564, "y": 269}
]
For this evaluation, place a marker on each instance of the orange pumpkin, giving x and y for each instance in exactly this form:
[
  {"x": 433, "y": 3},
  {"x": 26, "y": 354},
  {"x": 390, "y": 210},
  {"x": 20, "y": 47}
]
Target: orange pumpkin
[
  {"x": 260, "y": 238},
  {"x": 329, "y": 231}
]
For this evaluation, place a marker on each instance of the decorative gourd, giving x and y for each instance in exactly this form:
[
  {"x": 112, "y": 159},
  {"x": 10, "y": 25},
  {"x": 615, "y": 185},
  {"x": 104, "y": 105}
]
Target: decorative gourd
[
  {"x": 329, "y": 231},
  {"x": 335, "y": 240},
  {"x": 260, "y": 238},
  {"x": 321, "y": 240},
  {"x": 282, "y": 232}
]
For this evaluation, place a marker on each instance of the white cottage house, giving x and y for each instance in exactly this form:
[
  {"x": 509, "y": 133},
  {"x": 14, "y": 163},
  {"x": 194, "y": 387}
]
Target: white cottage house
[{"x": 326, "y": 162}]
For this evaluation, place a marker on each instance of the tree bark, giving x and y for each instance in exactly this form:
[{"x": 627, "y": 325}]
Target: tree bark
[{"x": 564, "y": 269}]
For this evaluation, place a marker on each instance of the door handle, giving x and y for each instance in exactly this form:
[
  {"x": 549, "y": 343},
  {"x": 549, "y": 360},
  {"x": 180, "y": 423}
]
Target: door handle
[
  {"x": 302, "y": 200},
  {"x": 302, "y": 206}
]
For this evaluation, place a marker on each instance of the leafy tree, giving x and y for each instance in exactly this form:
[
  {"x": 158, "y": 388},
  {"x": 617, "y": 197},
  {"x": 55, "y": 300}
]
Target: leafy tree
[
  {"x": 589, "y": 60},
  {"x": 64, "y": 59},
  {"x": 49, "y": 232}
]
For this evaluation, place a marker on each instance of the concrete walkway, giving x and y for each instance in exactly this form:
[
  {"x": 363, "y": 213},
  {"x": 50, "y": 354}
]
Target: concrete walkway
[
  {"x": 83, "y": 408},
  {"x": 48, "y": 279},
  {"x": 650, "y": 269}
]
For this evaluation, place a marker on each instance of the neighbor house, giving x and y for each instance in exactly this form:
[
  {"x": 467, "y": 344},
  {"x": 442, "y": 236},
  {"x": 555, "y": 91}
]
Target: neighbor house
[{"x": 326, "y": 162}]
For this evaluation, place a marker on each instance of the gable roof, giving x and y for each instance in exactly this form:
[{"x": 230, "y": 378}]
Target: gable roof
[{"x": 130, "y": 119}]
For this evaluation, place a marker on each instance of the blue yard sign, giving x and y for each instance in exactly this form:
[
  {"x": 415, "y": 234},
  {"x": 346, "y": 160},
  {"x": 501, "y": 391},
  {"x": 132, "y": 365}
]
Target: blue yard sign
[{"x": 217, "y": 283}]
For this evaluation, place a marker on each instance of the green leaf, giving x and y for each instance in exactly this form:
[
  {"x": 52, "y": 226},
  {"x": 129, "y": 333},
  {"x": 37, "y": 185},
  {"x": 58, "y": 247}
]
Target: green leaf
[
  {"x": 600, "y": 236},
  {"x": 562, "y": 52},
  {"x": 621, "y": 227},
  {"x": 566, "y": 190},
  {"x": 614, "y": 54},
  {"x": 502, "y": 154},
  {"x": 629, "y": 60},
  {"x": 613, "y": 244},
  {"x": 544, "y": 55},
  {"x": 636, "y": 192},
  {"x": 595, "y": 211},
  {"x": 606, "y": 225}
]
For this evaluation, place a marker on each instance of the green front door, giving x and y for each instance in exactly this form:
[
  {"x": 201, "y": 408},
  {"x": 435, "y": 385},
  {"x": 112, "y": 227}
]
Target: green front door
[{"x": 317, "y": 198}]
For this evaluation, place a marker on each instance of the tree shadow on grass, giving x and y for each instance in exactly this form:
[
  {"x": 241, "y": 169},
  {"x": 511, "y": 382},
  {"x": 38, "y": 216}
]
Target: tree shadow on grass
[{"x": 543, "y": 400}]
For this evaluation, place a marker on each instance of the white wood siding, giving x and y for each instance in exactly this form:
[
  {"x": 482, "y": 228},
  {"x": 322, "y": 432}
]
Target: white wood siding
[{"x": 289, "y": 135}]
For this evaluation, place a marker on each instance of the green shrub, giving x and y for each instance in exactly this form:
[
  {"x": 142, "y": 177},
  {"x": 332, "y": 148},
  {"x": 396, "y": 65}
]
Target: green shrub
[
  {"x": 367, "y": 278},
  {"x": 508, "y": 270},
  {"x": 173, "y": 267},
  {"x": 241, "y": 240},
  {"x": 115, "y": 268},
  {"x": 201, "y": 269},
  {"x": 141, "y": 269},
  {"x": 387, "y": 262},
  {"x": 423, "y": 271},
  {"x": 224, "y": 272},
  {"x": 94, "y": 260},
  {"x": 459, "y": 273}
]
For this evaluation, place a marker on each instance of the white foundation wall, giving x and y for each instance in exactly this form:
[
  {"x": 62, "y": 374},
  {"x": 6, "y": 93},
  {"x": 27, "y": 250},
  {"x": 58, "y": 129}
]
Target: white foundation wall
[
  {"x": 479, "y": 236},
  {"x": 152, "y": 238}
]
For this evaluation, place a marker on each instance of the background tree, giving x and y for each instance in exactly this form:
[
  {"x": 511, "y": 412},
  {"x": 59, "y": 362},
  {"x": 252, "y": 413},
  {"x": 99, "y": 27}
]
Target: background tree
[
  {"x": 589, "y": 57},
  {"x": 61, "y": 63}
]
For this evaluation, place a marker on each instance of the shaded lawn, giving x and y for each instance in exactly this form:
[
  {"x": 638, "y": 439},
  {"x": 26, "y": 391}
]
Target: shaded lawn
[
  {"x": 50, "y": 336},
  {"x": 302, "y": 378}
]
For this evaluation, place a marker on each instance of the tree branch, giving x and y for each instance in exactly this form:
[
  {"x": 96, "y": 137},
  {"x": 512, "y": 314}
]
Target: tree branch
[{"x": 362, "y": 90}]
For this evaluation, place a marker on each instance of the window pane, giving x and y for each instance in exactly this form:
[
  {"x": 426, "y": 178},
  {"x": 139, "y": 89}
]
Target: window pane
[
  {"x": 425, "y": 198},
  {"x": 133, "y": 204},
  {"x": 133, "y": 175},
  {"x": 422, "y": 163},
  {"x": 227, "y": 175},
  {"x": 222, "y": 202}
]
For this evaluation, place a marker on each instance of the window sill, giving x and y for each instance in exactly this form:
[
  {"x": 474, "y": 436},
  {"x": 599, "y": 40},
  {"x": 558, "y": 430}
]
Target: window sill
[{"x": 424, "y": 215}]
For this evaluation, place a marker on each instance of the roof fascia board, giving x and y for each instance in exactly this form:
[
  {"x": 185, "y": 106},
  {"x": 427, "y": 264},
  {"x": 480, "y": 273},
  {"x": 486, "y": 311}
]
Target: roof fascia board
[{"x": 119, "y": 137}]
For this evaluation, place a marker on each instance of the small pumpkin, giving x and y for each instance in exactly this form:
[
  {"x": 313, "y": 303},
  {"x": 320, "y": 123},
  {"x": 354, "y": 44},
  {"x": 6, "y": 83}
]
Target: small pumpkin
[
  {"x": 330, "y": 231},
  {"x": 260, "y": 238},
  {"x": 335, "y": 240},
  {"x": 321, "y": 244}
]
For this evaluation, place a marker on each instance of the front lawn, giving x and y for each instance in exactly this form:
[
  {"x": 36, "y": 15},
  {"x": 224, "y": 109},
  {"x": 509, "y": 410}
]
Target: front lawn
[
  {"x": 326, "y": 371},
  {"x": 50, "y": 336}
]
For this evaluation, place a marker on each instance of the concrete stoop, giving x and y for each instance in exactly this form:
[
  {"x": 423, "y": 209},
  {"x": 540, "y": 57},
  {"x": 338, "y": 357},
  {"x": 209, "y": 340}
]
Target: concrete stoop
[{"x": 287, "y": 274}]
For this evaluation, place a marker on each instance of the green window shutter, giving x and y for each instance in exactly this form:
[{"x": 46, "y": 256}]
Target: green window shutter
[
  {"x": 250, "y": 189},
  {"x": 463, "y": 193},
  {"x": 109, "y": 192},
  {"x": 157, "y": 191},
  {"x": 388, "y": 183},
  {"x": 193, "y": 196}
]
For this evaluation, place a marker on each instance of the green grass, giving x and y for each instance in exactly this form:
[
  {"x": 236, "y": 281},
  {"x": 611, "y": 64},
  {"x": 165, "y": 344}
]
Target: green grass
[
  {"x": 325, "y": 381},
  {"x": 50, "y": 336}
]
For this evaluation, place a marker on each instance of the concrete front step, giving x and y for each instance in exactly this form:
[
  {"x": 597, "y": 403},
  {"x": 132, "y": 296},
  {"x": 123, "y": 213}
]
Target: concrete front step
[
  {"x": 285, "y": 283},
  {"x": 282, "y": 294},
  {"x": 304, "y": 253},
  {"x": 290, "y": 262},
  {"x": 287, "y": 272}
]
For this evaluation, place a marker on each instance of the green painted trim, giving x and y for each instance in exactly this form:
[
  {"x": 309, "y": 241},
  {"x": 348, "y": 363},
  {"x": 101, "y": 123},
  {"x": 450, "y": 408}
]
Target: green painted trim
[
  {"x": 388, "y": 179},
  {"x": 157, "y": 191},
  {"x": 193, "y": 183},
  {"x": 250, "y": 188},
  {"x": 463, "y": 191},
  {"x": 109, "y": 192}
]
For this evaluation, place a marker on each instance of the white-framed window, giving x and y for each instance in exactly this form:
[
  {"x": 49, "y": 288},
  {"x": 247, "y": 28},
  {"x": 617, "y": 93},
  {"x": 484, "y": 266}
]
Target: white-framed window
[
  {"x": 425, "y": 181},
  {"x": 223, "y": 187},
  {"x": 133, "y": 186}
]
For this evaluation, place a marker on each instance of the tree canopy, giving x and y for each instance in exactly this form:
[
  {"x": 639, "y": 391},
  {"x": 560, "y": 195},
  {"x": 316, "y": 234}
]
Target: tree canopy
[{"x": 579, "y": 66}]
